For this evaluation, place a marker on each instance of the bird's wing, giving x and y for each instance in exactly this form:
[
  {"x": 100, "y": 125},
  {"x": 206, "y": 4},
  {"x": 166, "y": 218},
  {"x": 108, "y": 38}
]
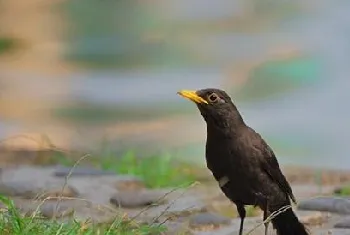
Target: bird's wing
[{"x": 270, "y": 165}]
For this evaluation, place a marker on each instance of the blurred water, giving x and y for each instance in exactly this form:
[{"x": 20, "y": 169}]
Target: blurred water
[
  {"x": 308, "y": 126},
  {"x": 144, "y": 87}
]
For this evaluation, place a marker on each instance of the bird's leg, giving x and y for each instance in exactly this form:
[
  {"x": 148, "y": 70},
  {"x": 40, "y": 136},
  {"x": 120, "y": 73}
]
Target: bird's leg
[
  {"x": 241, "y": 212},
  {"x": 266, "y": 215},
  {"x": 263, "y": 203}
]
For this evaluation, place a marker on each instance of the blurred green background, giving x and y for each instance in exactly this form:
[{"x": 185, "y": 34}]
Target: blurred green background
[{"x": 87, "y": 73}]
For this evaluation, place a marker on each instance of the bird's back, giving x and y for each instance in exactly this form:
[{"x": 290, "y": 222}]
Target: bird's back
[{"x": 243, "y": 158}]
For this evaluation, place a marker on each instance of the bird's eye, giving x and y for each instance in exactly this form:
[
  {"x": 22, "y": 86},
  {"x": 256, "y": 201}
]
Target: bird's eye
[{"x": 213, "y": 98}]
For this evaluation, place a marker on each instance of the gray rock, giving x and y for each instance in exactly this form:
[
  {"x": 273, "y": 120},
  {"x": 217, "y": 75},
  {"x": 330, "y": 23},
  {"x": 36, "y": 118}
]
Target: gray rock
[
  {"x": 208, "y": 219},
  {"x": 31, "y": 189},
  {"x": 97, "y": 214},
  {"x": 312, "y": 218},
  {"x": 184, "y": 206},
  {"x": 48, "y": 209},
  {"x": 333, "y": 231},
  {"x": 81, "y": 210},
  {"x": 97, "y": 190},
  {"x": 175, "y": 228},
  {"x": 28, "y": 172},
  {"x": 62, "y": 171},
  {"x": 32, "y": 182},
  {"x": 233, "y": 228},
  {"x": 122, "y": 182},
  {"x": 133, "y": 199},
  {"x": 344, "y": 223},
  {"x": 56, "y": 209},
  {"x": 330, "y": 204}
]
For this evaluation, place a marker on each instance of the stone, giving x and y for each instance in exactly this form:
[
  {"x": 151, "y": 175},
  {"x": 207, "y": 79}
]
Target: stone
[
  {"x": 100, "y": 189},
  {"x": 62, "y": 171},
  {"x": 344, "y": 223},
  {"x": 97, "y": 190},
  {"x": 175, "y": 228},
  {"x": 36, "y": 189},
  {"x": 25, "y": 172},
  {"x": 180, "y": 207},
  {"x": 56, "y": 210},
  {"x": 207, "y": 218},
  {"x": 120, "y": 182},
  {"x": 33, "y": 182},
  {"x": 131, "y": 199},
  {"x": 312, "y": 218},
  {"x": 48, "y": 209},
  {"x": 98, "y": 214},
  {"x": 130, "y": 185},
  {"x": 330, "y": 204},
  {"x": 81, "y": 210},
  {"x": 333, "y": 231},
  {"x": 232, "y": 228},
  {"x": 128, "y": 182}
]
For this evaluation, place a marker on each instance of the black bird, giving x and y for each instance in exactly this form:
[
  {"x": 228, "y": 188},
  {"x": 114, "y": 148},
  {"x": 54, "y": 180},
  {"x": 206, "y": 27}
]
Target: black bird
[{"x": 243, "y": 164}]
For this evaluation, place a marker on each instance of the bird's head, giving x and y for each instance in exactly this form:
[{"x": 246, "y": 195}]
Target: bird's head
[{"x": 215, "y": 105}]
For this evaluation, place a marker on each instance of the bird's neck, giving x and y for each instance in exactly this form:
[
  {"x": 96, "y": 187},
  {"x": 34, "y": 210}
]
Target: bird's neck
[{"x": 228, "y": 127}]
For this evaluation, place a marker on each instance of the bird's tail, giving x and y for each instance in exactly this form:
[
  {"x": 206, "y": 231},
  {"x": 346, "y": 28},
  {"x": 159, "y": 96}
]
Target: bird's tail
[{"x": 287, "y": 223}]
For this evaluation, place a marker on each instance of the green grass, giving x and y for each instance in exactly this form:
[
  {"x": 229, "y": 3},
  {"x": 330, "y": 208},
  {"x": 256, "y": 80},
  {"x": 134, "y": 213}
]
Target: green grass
[
  {"x": 344, "y": 191},
  {"x": 6, "y": 44},
  {"x": 157, "y": 171},
  {"x": 252, "y": 211},
  {"x": 13, "y": 223}
]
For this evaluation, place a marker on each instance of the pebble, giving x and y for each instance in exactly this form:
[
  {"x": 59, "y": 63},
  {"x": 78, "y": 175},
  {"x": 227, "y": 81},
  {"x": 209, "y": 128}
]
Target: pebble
[
  {"x": 121, "y": 182},
  {"x": 130, "y": 199},
  {"x": 312, "y": 217},
  {"x": 96, "y": 190},
  {"x": 130, "y": 185},
  {"x": 231, "y": 228},
  {"x": 99, "y": 189},
  {"x": 344, "y": 223},
  {"x": 56, "y": 210},
  {"x": 47, "y": 209},
  {"x": 32, "y": 189},
  {"x": 176, "y": 228},
  {"x": 207, "y": 218},
  {"x": 333, "y": 231},
  {"x": 28, "y": 172},
  {"x": 97, "y": 214},
  {"x": 330, "y": 204},
  {"x": 32, "y": 182},
  {"x": 62, "y": 171},
  {"x": 184, "y": 206}
]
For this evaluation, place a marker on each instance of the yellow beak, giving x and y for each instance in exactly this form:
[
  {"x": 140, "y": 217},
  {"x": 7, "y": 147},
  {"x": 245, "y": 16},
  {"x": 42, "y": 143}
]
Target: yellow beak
[{"x": 191, "y": 95}]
